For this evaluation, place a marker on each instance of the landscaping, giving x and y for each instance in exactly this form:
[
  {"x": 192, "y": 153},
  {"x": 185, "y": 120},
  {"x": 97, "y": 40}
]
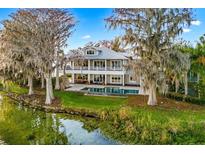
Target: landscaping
[
  {"x": 38, "y": 100},
  {"x": 95, "y": 103},
  {"x": 131, "y": 121}
]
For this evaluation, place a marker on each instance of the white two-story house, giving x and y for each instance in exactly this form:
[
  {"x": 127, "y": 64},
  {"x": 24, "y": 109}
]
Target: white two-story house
[{"x": 102, "y": 66}]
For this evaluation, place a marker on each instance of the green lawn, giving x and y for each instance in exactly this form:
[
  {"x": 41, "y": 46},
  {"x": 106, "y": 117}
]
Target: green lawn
[
  {"x": 13, "y": 87},
  {"x": 19, "y": 90},
  {"x": 131, "y": 123},
  {"x": 78, "y": 100},
  {"x": 81, "y": 101}
]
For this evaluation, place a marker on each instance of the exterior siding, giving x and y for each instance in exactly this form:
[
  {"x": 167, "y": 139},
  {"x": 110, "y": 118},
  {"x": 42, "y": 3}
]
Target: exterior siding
[{"x": 105, "y": 70}]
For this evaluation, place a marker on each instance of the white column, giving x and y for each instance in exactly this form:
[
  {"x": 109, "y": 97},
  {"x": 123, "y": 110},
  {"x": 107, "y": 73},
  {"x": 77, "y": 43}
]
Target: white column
[
  {"x": 73, "y": 65},
  {"x": 123, "y": 79},
  {"x": 105, "y": 79},
  {"x": 105, "y": 65},
  {"x": 72, "y": 79},
  {"x": 89, "y": 78},
  {"x": 88, "y": 64},
  {"x": 123, "y": 65}
]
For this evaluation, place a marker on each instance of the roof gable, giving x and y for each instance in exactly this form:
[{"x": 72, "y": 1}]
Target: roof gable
[{"x": 105, "y": 53}]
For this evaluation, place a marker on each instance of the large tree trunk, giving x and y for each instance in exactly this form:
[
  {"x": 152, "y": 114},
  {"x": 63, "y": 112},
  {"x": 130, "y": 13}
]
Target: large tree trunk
[
  {"x": 48, "y": 97},
  {"x": 42, "y": 82},
  {"x": 30, "y": 84},
  {"x": 57, "y": 85},
  {"x": 64, "y": 68},
  {"x": 24, "y": 82},
  {"x": 185, "y": 84},
  {"x": 51, "y": 87},
  {"x": 152, "y": 100},
  {"x": 176, "y": 85}
]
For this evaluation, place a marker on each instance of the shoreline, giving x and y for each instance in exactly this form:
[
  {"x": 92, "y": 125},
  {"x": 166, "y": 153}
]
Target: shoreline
[{"x": 49, "y": 108}]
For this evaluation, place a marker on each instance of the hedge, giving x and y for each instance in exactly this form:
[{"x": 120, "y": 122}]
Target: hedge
[{"x": 189, "y": 99}]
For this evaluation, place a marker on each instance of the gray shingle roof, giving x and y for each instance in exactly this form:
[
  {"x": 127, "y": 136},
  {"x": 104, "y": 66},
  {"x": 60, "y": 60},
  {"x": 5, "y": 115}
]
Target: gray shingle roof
[{"x": 106, "y": 53}]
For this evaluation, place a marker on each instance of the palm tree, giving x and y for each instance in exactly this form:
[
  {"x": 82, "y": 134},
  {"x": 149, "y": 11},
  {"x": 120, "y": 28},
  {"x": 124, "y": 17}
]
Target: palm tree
[{"x": 198, "y": 64}]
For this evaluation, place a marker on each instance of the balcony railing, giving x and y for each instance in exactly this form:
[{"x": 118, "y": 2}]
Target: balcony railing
[
  {"x": 78, "y": 68},
  {"x": 114, "y": 68},
  {"x": 96, "y": 68}
]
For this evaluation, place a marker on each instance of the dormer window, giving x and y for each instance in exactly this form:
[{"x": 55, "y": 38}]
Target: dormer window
[{"x": 90, "y": 52}]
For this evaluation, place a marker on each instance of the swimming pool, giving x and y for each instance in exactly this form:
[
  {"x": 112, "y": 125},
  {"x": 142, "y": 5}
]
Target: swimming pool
[{"x": 111, "y": 91}]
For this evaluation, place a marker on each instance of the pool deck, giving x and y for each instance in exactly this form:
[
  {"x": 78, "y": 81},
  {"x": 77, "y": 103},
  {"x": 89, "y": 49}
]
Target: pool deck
[{"x": 79, "y": 87}]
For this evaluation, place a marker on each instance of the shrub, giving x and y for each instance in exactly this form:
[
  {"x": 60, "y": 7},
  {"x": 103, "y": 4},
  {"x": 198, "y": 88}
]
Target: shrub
[
  {"x": 188, "y": 99},
  {"x": 175, "y": 96},
  {"x": 104, "y": 115},
  {"x": 1, "y": 85},
  {"x": 69, "y": 75},
  {"x": 129, "y": 127},
  {"x": 124, "y": 113}
]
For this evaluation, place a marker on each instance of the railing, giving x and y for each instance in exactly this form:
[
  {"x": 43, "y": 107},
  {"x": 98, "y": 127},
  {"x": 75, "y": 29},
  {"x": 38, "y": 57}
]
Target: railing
[
  {"x": 114, "y": 68},
  {"x": 96, "y": 68},
  {"x": 78, "y": 68},
  {"x": 106, "y": 69}
]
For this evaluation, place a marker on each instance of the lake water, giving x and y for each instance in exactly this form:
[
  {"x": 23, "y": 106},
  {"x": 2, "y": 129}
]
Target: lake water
[{"x": 22, "y": 125}]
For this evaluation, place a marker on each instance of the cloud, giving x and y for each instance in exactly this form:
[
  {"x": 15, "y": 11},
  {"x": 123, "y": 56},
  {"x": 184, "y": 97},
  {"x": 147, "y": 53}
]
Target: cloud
[
  {"x": 196, "y": 22},
  {"x": 186, "y": 30},
  {"x": 86, "y": 37}
]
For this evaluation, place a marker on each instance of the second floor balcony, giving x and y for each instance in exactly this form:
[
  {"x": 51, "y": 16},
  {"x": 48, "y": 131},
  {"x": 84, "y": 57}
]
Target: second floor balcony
[
  {"x": 95, "y": 68},
  {"x": 98, "y": 65}
]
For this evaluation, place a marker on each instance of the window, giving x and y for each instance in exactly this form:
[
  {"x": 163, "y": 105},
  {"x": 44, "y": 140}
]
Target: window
[
  {"x": 99, "y": 78},
  {"x": 131, "y": 78},
  {"x": 85, "y": 63},
  {"x": 83, "y": 77},
  {"x": 90, "y": 52},
  {"x": 116, "y": 79},
  {"x": 116, "y": 64},
  {"x": 99, "y": 64}
]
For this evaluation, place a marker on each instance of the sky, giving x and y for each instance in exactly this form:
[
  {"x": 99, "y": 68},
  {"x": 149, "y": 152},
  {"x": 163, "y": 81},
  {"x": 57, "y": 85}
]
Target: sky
[{"x": 92, "y": 27}]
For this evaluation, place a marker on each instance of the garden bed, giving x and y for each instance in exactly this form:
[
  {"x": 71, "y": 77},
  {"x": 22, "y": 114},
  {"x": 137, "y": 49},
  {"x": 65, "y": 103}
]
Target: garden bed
[{"x": 165, "y": 103}]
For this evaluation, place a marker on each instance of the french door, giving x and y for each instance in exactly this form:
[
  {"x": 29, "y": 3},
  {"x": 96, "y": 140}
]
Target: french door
[{"x": 99, "y": 78}]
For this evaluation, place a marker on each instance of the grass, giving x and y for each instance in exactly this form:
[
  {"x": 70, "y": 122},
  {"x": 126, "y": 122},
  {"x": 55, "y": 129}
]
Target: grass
[
  {"x": 78, "y": 100},
  {"x": 131, "y": 121},
  {"x": 19, "y": 90},
  {"x": 13, "y": 87},
  {"x": 81, "y": 101},
  {"x": 147, "y": 125}
]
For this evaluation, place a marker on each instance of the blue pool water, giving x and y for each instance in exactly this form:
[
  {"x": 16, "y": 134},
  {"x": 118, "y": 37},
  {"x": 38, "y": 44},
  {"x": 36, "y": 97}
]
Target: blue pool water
[{"x": 111, "y": 91}]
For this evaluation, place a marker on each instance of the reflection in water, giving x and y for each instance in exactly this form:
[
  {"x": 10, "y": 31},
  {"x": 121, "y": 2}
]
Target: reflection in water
[
  {"x": 78, "y": 135},
  {"x": 20, "y": 125}
]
